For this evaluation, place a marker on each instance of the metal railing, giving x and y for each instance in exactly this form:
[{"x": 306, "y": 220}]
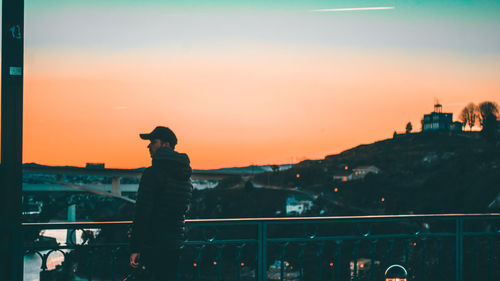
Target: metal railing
[{"x": 431, "y": 247}]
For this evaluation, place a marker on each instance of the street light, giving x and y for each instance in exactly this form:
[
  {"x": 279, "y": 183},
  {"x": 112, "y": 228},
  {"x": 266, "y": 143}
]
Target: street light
[{"x": 396, "y": 272}]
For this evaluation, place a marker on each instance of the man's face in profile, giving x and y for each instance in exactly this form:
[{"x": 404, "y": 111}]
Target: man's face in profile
[{"x": 154, "y": 145}]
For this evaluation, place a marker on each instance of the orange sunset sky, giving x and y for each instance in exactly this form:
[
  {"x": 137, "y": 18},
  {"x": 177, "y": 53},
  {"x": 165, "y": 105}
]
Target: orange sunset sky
[{"x": 241, "y": 88}]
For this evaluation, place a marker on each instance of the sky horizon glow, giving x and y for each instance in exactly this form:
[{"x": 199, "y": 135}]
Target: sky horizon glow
[{"x": 247, "y": 82}]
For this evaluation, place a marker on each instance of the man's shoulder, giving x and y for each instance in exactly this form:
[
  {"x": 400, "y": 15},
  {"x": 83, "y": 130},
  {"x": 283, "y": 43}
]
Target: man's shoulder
[
  {"x": 152, "y": 172},
  {"x": 147, "y": 172}
]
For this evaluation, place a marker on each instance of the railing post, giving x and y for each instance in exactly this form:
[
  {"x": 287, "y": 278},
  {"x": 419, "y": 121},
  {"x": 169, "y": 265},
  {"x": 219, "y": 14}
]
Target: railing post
[
  {"x": 459, "y": 248},
  {"x": 115, "y": 186},
  {"x": 70, "y": 233},
  {"x": 262, "y": 252}
]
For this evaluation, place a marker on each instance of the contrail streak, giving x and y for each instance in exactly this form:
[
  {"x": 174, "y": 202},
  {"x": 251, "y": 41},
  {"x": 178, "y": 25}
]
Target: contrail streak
[{"x": 353, "y": 9}]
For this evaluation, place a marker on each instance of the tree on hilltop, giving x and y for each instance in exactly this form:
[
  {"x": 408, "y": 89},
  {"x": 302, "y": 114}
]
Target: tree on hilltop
[
  {"x": 468, "y": 115},
  {"x": 487, "y": 108},
  {"x": 488, "y": 118},
  {"x": 409, "y": 127}
]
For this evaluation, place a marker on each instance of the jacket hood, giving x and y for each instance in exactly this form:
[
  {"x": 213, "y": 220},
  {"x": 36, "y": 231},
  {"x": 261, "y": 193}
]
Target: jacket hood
[{"x": 176, "y": 164}]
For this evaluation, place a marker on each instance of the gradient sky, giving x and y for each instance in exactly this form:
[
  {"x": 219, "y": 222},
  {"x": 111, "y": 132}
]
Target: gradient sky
[{"x": 248, "y": 82}]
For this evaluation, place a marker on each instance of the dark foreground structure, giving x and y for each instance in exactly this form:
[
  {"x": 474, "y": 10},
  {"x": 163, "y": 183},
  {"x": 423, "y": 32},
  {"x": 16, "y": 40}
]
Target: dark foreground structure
[
  {"x": 430, "y": 247},
  {"x": 11, "y": 139}
]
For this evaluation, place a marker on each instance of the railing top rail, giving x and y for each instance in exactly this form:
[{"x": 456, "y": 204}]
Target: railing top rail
[
  {"x": 56, "y": 225},
  {"x": 342, "y": 218}
]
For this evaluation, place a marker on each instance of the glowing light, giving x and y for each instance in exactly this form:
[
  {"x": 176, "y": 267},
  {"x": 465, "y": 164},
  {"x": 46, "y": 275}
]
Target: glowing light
[
  {"x": 195, "y": 264},
  {"x": 382, "y": 199},
  {"x": 414, "y": 244},
  {"x": 298, "y": 175},
  {"x": 242, "y": 264},
  {"x": 287, "y": 264},
  {"x": 331, "y": 264},
  {"x": 346, "y": 167},
  {"x": 215, "y": 262},
  {"x": 353, "y": 9},
  {"x": 335, "y": 189}
]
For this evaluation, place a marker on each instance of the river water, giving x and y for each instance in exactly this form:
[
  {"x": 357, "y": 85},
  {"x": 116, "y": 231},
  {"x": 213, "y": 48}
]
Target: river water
[{"x": 33, "y": 262}]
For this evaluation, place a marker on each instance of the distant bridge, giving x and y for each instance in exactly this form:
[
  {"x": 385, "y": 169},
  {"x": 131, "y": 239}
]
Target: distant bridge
[
  {"x": 115, "y": 174},
  {"x": 69, "y": 170}
]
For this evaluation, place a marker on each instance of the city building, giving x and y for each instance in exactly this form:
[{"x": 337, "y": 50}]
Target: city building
[
  {"x": 275, "y": 273},
  {"x": 297, "y": 205},
  {"x": 343, "y": 176},
  {"x": 457, "y": 126},
  {"x": 360, "y": 268}
]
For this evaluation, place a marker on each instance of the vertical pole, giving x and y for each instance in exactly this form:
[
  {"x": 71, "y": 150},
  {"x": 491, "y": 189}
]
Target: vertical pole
[
  {"x": 373, "y": 251},
  {"x": 218, "y": 261},
  {"x": 70, "y": 233},
  {"x": 259, "y": 252},
  {"x": 262, "y": 252},
  {"x": 440, "y": 263},
  {"x": 490, "y": 258},
  {"x": 11, "y": 261},
  {"x": 112, "y": 264},
  {"x": 115, "y": 186},
  {"x": 476, "y": 258},
  {"x": 319, "y": 254},
  {"x": 424, "y": 248},
  {"x": 459, "y": 248},
  {"x": 238, "y": 262}
]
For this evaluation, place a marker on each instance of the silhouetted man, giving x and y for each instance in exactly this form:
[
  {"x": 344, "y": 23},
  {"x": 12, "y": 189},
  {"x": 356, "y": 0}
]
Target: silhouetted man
[{"x": 162, "y": 201}]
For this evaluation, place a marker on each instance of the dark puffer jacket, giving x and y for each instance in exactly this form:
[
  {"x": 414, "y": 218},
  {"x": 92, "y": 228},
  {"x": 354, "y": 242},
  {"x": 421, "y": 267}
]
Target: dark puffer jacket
[{"x": 162, "y": 202}]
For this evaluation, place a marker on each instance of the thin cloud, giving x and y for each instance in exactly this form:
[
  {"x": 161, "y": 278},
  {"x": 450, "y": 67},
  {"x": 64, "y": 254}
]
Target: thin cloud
[{"x": 353, "y": 9}]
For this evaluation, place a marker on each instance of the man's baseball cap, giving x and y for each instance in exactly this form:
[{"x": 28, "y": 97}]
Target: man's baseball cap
[{"x": 162, "y": 133}]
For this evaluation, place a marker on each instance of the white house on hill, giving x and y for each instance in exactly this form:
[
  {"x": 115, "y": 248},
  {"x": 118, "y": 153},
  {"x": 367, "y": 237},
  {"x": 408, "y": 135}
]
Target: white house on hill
[
  {"x": 361, "y": 171},
  {"x": 438, "y": 121},
  {"x": 295, "y": 206}
]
